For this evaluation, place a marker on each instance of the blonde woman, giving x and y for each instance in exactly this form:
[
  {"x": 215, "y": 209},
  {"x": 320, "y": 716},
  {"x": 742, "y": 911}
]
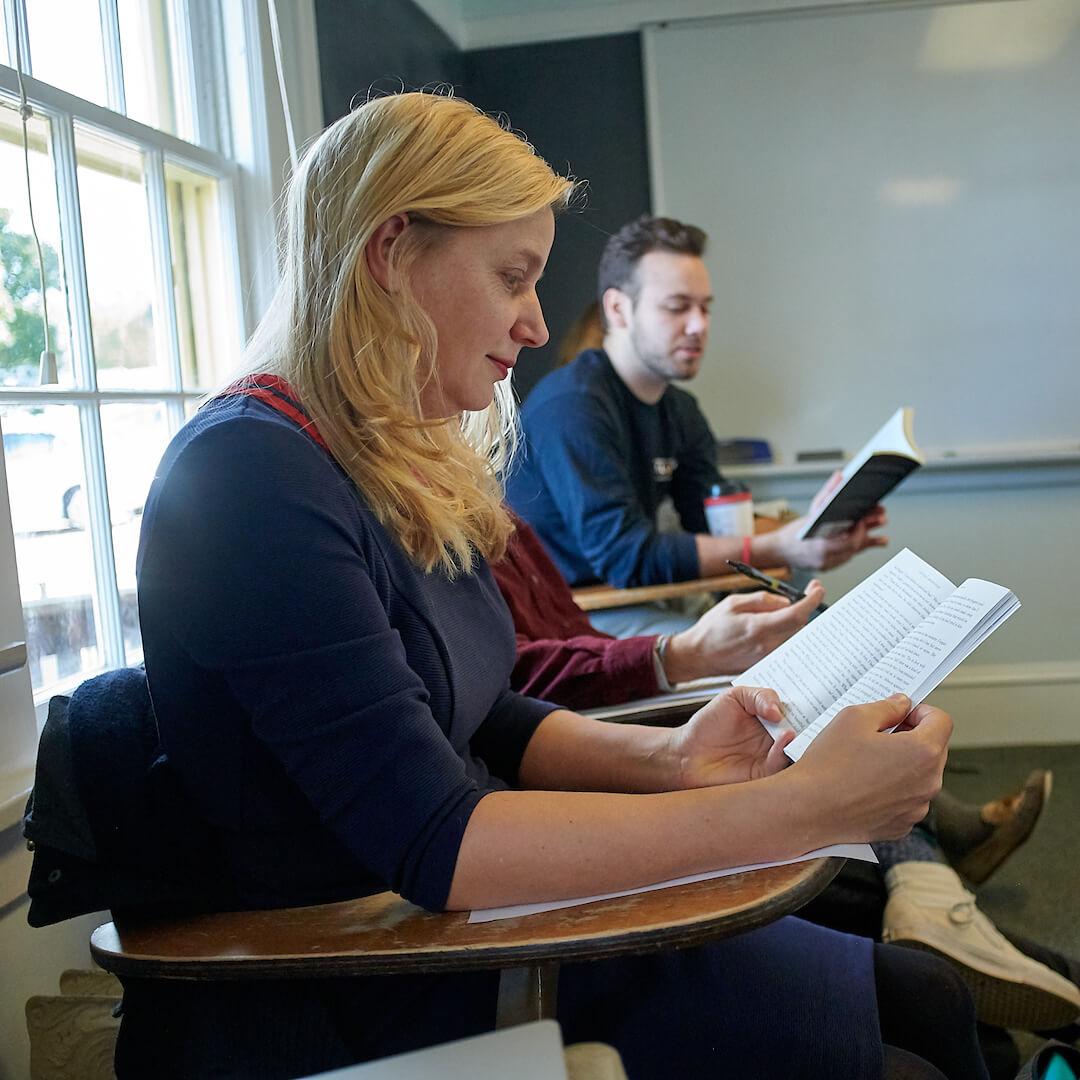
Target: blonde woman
[{"x": 329, "y": 658}]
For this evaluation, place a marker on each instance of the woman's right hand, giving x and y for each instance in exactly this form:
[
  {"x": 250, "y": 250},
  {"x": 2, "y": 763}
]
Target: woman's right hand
[{"x": 870, "y": 783}]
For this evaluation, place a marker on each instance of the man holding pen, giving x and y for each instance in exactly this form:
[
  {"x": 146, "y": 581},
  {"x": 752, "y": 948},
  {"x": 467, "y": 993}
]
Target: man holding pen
[
  {"x": 610, "y": 436},
  {"x": 561, "y": 657}
]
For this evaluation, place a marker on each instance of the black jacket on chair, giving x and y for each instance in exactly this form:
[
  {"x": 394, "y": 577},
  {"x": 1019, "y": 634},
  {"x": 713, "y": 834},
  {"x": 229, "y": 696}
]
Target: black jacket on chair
[{"x": 107, "y": 820}]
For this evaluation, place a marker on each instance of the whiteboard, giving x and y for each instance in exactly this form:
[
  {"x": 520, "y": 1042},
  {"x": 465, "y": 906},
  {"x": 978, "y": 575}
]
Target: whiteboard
[{"x": 892, "y": 198}]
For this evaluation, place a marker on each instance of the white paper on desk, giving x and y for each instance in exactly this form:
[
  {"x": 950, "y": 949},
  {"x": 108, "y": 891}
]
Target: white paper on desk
[{"x": 862, "y": 852}]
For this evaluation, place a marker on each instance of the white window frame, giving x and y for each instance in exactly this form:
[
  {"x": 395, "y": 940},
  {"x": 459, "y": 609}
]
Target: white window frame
[{"x": 239, "y": 122}]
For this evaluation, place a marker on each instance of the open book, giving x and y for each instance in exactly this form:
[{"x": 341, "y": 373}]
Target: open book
[
  {"x": 868, "y": 477},
  {"x": 901, "y": 631}
]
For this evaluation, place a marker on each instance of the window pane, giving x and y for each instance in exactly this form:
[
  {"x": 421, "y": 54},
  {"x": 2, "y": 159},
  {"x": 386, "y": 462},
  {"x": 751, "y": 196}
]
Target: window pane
[
  {"x": 135, "y": 436},
  {"x": 46, "y": 484},
  {"x": 146, "y": 48},
  {"x": 22, "y": 335},
  {"x": 206, "y": 308},
  {"x": 119, "y": 262},
  {"x": 65, "y": 46}
]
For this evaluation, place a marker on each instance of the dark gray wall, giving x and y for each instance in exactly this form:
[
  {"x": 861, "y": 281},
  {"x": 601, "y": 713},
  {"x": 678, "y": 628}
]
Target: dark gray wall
[
  {"x": 582, "y": 105},
  {"x": 376, "y": 42}
]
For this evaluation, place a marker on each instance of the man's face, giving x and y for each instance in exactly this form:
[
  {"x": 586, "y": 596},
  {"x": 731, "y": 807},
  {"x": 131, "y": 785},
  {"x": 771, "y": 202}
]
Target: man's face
[{"x": 668, "y": 323}]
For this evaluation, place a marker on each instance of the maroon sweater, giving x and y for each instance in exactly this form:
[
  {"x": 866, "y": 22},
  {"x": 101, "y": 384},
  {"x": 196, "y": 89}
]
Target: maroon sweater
[{"x": 561, "y": 657}]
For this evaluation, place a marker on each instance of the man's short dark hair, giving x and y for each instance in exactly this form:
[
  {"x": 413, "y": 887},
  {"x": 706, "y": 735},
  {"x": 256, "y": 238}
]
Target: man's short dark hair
[{"x": 624, "y": 250}]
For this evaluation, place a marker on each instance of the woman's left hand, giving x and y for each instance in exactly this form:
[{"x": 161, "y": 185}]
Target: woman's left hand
[{"x": 723, "y": 742}]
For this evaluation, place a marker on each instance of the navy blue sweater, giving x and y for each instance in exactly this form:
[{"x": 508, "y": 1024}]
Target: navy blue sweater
[
  {"x": 596, "y": 464},
  {"x": 335, "y": 713}
]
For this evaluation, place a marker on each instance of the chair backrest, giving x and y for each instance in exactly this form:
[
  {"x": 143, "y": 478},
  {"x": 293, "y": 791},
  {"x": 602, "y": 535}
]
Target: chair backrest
[{"x": 108, "y": 821}]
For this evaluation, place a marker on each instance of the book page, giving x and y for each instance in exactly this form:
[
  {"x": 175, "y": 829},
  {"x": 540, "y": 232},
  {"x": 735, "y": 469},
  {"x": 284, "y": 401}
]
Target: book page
[
  {"x": 998, "y": 604},
  {"x": 891, "y": 438},
  {"x": 910, "y": 666},
  {"x": 817, "y": 666}
]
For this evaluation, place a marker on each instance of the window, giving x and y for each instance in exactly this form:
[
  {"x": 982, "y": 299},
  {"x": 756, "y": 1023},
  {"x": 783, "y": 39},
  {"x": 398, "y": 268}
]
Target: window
[{"x": 134, "y": 186}]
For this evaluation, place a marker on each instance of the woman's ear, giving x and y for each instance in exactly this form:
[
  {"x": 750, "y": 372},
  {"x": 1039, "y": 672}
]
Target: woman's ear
[{"x": 377, "y": 249}]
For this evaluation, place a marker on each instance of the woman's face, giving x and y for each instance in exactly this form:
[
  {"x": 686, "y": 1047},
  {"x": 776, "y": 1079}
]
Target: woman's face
[{"x": 478, "y": 286}]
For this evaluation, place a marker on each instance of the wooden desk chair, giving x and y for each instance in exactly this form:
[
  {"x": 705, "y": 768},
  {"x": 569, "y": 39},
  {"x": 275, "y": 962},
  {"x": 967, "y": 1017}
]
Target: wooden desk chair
[
  {"x": 599, "y": 597},
  {"x": 663, "y": 710},
  {"x": 386, "y": 935}
]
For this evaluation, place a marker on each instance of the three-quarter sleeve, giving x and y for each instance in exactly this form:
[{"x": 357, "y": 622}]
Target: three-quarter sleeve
[
  {"x": 505, "y": 733},
  {"x": 256, "y": 561}
]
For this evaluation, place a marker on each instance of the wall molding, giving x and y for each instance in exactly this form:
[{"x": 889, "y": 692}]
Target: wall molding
[
  {"x": 1001, "y": 470},
  {"x": 1016, "y": 704},
  {"x": 1023, "y": 673}
]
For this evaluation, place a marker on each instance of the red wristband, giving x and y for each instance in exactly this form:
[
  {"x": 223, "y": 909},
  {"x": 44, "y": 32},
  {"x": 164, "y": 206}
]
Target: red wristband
[{"x": 746, "y": 550}]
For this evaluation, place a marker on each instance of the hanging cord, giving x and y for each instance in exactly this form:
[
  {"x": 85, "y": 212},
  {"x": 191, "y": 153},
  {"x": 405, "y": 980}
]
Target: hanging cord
[
  {"x": 275, "y": 37},
  {"x": 47, "y": 374}
]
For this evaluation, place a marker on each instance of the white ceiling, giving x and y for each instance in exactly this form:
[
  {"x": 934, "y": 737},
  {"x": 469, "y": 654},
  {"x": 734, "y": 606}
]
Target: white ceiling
[{"x": 481, "y": 24}]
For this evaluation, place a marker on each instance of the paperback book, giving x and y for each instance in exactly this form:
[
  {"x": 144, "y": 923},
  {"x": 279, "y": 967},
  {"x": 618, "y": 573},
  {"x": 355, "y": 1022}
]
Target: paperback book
[{"x": 901, "y": 631}]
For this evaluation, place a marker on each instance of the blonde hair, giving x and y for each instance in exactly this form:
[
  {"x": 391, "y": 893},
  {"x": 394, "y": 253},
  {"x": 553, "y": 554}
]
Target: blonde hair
[{"x": 358, "y": 356}]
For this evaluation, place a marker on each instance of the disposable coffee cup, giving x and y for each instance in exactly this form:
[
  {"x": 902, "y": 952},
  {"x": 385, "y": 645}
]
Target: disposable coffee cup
[{"x": 729, "y": 511}]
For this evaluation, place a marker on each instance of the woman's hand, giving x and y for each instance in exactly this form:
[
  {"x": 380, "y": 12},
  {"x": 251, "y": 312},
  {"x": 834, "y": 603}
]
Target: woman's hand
[
  {"x": 723, "y": 742},
  {"x": 870, "y": 783},
  {"x": 737, "y": 632}
]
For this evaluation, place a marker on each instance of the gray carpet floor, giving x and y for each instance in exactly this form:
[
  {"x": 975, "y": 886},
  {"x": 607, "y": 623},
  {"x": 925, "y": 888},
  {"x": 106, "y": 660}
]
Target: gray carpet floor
[{"x": 1037, "y": 891}]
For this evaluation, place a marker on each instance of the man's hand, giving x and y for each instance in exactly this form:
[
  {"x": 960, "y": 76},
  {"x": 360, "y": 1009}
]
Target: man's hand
[
  {"x": 824, "y": 553},
  {"x": 723, "y": 743},
  {"x": 736, "y": 633}
]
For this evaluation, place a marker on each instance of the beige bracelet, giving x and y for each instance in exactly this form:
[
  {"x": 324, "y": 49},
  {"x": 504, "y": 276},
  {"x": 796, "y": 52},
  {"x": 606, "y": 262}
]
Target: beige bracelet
[{"x": 659, "y": 648}]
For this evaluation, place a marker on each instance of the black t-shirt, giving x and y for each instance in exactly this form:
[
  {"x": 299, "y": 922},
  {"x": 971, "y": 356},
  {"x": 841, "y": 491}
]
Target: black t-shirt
[{"x": 596, "y": 465}]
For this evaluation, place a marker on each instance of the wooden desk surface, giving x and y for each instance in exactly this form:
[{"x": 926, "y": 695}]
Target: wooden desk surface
[
  {"x": 385, "y": 934},
  {"x": 596, "y": 597}
]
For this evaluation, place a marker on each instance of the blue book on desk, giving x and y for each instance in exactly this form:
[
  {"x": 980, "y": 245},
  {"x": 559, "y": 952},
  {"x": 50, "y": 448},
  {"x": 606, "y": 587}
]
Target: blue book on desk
[{"x": 743, "y": 452}]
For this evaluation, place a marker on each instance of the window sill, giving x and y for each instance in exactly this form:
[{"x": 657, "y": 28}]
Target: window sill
[
  {"x": 14, "y": 791},
  {"x": 62, "y": 687}
]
